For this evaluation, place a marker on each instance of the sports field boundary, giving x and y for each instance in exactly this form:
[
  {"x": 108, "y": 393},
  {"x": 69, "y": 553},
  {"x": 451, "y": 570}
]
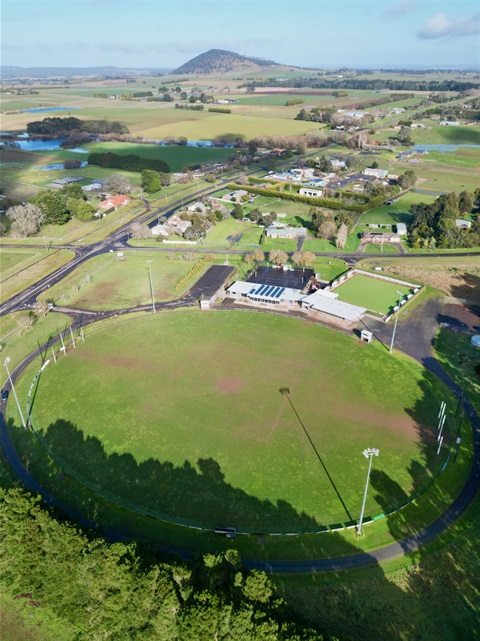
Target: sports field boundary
[{"x": 65, "y": 469}]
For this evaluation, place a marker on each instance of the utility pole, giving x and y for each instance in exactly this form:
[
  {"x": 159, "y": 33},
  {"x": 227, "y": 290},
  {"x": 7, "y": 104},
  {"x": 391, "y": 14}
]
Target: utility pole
[
  {"x": 5, "y": 363},
  {"x": 151, "y": 285}
]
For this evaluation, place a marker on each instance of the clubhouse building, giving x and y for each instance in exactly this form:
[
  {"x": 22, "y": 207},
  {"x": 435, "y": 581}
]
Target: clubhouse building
[{"x": 290, "y": 287}]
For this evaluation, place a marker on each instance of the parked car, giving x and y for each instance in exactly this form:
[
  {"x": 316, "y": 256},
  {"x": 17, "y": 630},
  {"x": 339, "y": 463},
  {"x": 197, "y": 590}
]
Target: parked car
[{"x": 4, "y": 395}]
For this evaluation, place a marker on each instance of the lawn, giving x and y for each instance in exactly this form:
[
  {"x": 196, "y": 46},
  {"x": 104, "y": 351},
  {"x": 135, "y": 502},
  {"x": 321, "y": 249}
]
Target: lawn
[
  {"x": 204, "y": 436},
  {"x": 36, "y": 267},
  {"x": 17, "y": 258},
  {"x": 105, "y": 282},
  {"x": 322, "y": 245},
  {"x": 374, "y": 294},
  {"x": 17, "y": 341},
  {"x": 285, "y": 244},
  {"x": 397, "y": 212}
]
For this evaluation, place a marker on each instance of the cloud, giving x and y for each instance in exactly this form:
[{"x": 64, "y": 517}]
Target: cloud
[
  {"x": 400, "y": 8},
  {"x": 441, "y": 26}
]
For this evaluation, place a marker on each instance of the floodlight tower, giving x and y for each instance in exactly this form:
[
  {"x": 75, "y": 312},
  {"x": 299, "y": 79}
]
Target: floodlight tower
[
  {"x": 396, "y": 321},
  {"x": 151, "y": 286},
  {"x": 5, "y": 363},
  {"x": 370, "y": 452}
]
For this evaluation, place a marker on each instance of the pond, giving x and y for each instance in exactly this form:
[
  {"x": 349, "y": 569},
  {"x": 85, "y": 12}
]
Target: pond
[
  {"x": 28, "y": 144},
  {"x": 41, "y": 110},
  {"x": 59, "y": 165},
  {"x": 444, "y": 148}
]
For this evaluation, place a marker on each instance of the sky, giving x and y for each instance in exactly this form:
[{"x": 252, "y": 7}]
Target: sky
[{"x": 305, "y": 33}]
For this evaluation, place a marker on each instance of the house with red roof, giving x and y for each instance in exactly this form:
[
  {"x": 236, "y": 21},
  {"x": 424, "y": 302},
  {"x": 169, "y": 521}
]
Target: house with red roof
[{"x": 114, "y": 202}]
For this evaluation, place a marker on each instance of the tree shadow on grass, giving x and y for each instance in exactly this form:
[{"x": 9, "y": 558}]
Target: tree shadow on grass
[{"x": 176, "y": 493}]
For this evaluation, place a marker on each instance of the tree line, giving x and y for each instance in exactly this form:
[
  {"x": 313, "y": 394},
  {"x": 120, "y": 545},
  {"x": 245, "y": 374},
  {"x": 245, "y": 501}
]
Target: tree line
[
  {"x": 373, "y": 84},
  {"x": 127, "y": 162},
  {"x": 69, "y": 586},
  {"x": 54, "y": 126}
]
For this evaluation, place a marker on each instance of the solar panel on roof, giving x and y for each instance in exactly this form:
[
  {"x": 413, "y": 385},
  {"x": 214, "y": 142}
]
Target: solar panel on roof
[
  {"x": 270, "y": 290},
  {"x": 262, "y": 289},
  {"x": 282, "y": 289}
]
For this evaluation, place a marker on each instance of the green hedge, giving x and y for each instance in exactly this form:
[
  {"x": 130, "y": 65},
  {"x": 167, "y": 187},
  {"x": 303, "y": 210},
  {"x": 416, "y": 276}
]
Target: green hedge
[
  {"x": 220, "y": 110},
  {"x": 193, "y": 272},
  {"x": 329, "y": 203}
]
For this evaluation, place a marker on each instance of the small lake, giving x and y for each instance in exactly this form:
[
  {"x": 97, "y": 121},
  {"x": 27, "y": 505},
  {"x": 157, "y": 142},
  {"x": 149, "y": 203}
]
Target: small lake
[
  {"x": 45, "y": 145},
  {"x": 444, "y": 148},
  {"x": 194, "y": 143},
  {"x": 43, "y": 110}
]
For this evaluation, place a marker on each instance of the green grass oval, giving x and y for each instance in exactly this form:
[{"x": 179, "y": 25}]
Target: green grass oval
[{"x": 239, "y": 419}]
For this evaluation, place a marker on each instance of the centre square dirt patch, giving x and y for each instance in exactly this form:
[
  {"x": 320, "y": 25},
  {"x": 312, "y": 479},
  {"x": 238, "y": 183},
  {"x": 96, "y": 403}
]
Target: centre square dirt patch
[{"x": 229, "y": 385}]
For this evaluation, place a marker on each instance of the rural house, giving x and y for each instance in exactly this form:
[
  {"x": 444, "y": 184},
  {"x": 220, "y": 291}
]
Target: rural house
[{"x": 114, "y": 202}]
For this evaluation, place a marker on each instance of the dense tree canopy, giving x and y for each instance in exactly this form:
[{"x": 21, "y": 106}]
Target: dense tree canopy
[
  {"x": 88, "y": 589},
  {"x": 54, "y": 126},
  {"x": 434, "y": 225}
]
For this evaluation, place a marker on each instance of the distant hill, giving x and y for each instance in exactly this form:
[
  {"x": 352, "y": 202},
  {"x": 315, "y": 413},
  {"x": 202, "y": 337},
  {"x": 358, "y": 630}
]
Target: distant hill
[{"x": 221, "y": 61}]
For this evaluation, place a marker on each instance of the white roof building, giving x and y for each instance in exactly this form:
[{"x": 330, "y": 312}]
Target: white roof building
[
  {"x": 463, "y": 224},
  {"x": 274, "y": 231},
  {"x": 274, "y": 294},
  {"x": 401, "y": 229},
  {"x": 327, "y": 302},
  {"x": 376, "y": 173},
  {"x": 161, "y": 230}
]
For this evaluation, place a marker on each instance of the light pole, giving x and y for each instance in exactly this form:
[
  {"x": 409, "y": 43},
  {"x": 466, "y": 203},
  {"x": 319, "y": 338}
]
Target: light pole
[
  {"x": 396, "y": 321},
  {"x": 370, "y": 452},
  {"x": 151, "y": 286},
  {"x": 6, "y": 362}
]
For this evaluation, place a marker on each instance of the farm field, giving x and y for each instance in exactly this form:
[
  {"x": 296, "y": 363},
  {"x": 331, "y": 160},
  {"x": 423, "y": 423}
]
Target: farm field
[
  {"x": 374, "y": 294},
  {"x": 105, "y": 282},
  {"x": 229, "y": 454},
  {"x": 177, "y": 157}
]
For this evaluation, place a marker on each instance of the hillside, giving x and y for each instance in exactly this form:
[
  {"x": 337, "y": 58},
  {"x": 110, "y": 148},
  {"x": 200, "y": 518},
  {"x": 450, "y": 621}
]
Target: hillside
[{"x": 220, "y": 61}]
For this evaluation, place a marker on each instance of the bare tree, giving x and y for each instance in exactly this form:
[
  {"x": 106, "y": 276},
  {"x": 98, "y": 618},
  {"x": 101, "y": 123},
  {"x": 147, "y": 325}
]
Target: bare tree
[
  {"x": 26, "y": 219},
  {"x": 327, "y": 230},
  {"x": 342, "y": 236},
  {"x": 297, "y": 258},
  {"x": 278, "y": 257},
  {"x": 140, "y": 231},
  {"x": 25, "y": 321},
  {"x": 309, "y": 259},
  {"x": 117, "y": 184},
  {"x": 258, "y": 256}
]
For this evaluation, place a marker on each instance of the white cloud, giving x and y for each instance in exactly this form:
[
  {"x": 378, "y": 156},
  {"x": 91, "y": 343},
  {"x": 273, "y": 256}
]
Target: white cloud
[
  {"x": 400, "y": 8},
  {"x": 441, "y": 26}
]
